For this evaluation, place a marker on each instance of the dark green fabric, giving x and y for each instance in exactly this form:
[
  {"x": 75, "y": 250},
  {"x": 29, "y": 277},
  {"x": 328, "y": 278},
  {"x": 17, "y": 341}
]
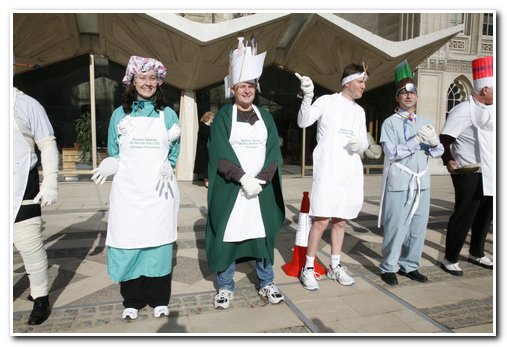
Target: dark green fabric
[{"x": 222, "y": 196}]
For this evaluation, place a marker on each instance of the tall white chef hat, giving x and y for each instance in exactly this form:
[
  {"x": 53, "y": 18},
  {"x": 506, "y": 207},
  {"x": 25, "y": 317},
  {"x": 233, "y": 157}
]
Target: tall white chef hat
[{"x": 245, "y": 65}]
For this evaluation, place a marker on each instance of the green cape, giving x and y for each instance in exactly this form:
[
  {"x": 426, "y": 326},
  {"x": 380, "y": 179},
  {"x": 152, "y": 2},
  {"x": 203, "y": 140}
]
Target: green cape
[{"x": 222, "y": 196}]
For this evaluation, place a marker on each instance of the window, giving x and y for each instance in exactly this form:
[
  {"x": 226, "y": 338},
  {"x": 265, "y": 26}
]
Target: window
[
  {"x": 487, "y": 24},
  {"x": 410, "y": 25},
  {"x": 462, "y": 18},
  {"x": 456, "y": 93},
  {"x": 453, "y": 96}
]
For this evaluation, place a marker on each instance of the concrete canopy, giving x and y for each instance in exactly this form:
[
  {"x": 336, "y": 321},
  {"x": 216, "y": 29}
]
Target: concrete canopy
[{"x": 196, "y": 55}]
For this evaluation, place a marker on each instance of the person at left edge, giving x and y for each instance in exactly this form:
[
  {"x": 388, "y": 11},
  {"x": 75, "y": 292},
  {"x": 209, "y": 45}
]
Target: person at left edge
[
  {"x": 245, "y": 202},
  {"x": 31, "y": 128},
  {"x": 143, "y": 147}
]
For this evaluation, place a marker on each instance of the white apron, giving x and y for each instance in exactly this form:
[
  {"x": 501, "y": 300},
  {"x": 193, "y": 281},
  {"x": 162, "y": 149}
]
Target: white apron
[
  {"x": 21, "y": 155},
  {"x": 249, "y": 144},
  {"x": 138, "y": 216},
  {"x": 337, "y": 187},
  {"x": 484, "y": 123}
]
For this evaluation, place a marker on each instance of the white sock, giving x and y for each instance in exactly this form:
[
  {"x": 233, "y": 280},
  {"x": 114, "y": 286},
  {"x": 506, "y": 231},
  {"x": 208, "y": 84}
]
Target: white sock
[
  {"x": 310, "y": 261},
  {"x": 335, "y": 261}
]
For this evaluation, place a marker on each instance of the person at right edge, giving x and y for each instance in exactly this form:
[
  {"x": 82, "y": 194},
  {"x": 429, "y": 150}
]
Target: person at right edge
[
  {"x": 408, "y": 140},
  {"x": 468, "y": 137}
]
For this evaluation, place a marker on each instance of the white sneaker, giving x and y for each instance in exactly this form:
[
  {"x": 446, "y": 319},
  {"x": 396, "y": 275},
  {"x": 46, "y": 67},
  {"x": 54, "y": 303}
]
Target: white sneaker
[
  {"x": 272, "y": 293},
  {"x": 223, "y": 298},
  {"x": 483, "y": 261},
  {"x": 160, "y": 310},
  {"x": 339, "y": 275},
  {"x": 307, "y": 278},
  {"x": 452, "y": 268},
  {"x": 129, "y": 313}
]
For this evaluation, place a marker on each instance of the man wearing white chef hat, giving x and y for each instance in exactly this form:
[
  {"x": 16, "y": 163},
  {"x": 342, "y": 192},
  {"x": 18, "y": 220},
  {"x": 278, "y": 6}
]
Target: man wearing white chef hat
[
  {"x": 468, "y": 137},
  {"x": 245, "y": 202}
]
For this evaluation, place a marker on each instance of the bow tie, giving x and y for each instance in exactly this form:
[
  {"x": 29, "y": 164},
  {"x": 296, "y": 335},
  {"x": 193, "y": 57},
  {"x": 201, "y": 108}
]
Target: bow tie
[
  {"x": 138, "y": 104},
  {"x": 410, "y": 117}
]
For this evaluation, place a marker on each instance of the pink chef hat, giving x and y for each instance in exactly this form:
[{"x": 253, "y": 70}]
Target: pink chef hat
[
  {"x": 139, "y": 64},
  {"x": 482, "y": 71}
]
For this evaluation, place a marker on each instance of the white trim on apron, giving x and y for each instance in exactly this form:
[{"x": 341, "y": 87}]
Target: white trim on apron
[
  {"x": 415, "y": 185},
  {"x": 486, "y": 145},
  {"x": 139, "y": 216},
  {"x": 249, "y": 144}
]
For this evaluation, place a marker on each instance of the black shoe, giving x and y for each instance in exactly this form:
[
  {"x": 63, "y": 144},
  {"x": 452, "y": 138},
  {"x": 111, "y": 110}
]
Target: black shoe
[
  {"x": 484, "y": 261},
  {"x": 414, "y": 275},
  {"x": 389, "y": 278},
  {"x": 40, "y": 311},
  {"x": 452, "y": 268}
]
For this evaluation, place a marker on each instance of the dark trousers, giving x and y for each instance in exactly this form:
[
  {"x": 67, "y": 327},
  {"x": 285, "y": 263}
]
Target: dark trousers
[
  {"x": 471, "y": 210},
  {"x": 142, "y": 291},
  {"x": 32, "y": 189}
]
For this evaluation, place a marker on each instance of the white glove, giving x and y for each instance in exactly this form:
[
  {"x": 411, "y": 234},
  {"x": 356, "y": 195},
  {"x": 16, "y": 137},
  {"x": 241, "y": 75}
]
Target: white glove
[
  {"x": 47, "y": 196},
  {"x": 165, "y": 176},
  {"x": 373, "y": 152},
  {"x": 174, "y": 133},
  {"x": 251, "y": 185},
  {"x": 427, "y": 134},
  {"x": 108, "y": 166},
  {"x": 432, "y": 137},
  {"x": 306, "y": 85},
  {"x": 48, "y": 193},
  {"x": 422, "y": 134},
  {"x": 355, "y": 144}
]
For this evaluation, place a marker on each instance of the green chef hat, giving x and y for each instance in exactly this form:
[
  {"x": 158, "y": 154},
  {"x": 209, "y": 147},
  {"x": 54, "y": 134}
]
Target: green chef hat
[{"x": 403, "y": 78}]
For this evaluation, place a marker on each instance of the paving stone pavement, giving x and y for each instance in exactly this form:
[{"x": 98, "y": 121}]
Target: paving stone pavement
[{"x": 85, "y": 301}]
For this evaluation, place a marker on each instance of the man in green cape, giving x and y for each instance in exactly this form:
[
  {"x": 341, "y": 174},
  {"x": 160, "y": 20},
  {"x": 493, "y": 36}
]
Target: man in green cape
[{"x": 245, "y": 202}]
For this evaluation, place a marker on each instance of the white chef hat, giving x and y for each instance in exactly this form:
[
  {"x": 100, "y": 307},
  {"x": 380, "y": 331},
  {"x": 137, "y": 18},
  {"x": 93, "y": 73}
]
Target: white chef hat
[{"x": 244, "y": 65}]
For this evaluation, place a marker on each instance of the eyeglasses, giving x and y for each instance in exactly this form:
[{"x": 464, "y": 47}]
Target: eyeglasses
[{"x": 144, "y": 79}]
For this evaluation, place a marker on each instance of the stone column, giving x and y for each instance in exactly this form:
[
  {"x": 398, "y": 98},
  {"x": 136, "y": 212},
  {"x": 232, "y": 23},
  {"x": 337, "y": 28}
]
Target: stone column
[
  {"x": 432, "y": 97},
  {"x": 189, "y": 124}
]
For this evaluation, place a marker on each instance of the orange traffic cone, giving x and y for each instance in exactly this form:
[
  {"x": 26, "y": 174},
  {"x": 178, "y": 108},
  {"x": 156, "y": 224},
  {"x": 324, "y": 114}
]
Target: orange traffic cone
[{"x": 299, "y": 255}]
